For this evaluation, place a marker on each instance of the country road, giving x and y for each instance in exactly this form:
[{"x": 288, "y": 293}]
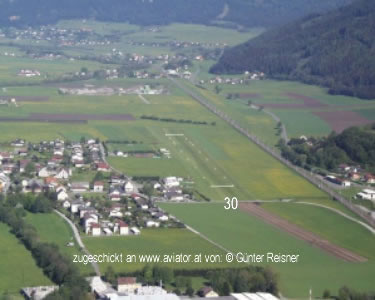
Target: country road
[
  {"x": 253, "y": 138},
  {"x": 79, "y": 240}
]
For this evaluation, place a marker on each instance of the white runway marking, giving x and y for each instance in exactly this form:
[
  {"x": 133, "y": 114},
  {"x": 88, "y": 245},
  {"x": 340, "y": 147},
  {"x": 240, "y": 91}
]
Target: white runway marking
[
  {"x": 174, "y": 134},
  {"x": 222, "y": 186}
]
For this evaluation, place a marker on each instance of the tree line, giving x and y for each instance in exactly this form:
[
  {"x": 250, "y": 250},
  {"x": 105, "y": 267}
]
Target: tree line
[
  {"x": 154, "y": 118},
  {"x": 48, "y": 257},
  {"x": 352, "y": 146}
]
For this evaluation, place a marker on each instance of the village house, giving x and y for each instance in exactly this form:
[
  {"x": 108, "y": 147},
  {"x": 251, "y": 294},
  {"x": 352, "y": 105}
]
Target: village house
[
  {"x": 76, "y": 205},
  {"x": 98, "y": 187},
  {"x": 121, "y": 228},
  {"x": 367, "y": 194},
  {"x": 127, "y": 285},
  {"x": 66, "y": 204},
  {"x": 129, "y": 187},
  {"x": 46, "y": 172},
  {"x": 354, "y": 176},
  {"x": 369, "y": 179},
  {"x": 63, "y": 174},
  {"x": 102, "y": 167},
  {"x": 207, "y": 292},
  {"x": 86, "y": 209},
  {"x": 89, "y": 219},
  {"x": 62, "y": 195},
  {"x": 94, "y": 230},
  {"x": 171, "y": 182},
  {"x": 151, "y": 223},
  {"x": 79, "y": 187}
]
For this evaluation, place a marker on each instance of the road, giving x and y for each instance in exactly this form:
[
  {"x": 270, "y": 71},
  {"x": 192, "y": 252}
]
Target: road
[
  {"x": 253, "y": 138},
  {"x": 284, "y": 134},
  {"x": 79, "y": 240}
]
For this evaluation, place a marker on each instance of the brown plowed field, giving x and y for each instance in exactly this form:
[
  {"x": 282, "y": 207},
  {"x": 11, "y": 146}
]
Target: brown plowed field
[
  {"x": 305, "y": 102},
  {"x": 340, "y": 120},
  {"x": 301, "y": 234}
]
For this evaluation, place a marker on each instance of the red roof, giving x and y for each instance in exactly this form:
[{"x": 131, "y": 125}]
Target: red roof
[
  {"x": 97, "y": 183},
  {"x": 122, "y": 223},
  {"x": 126, "y": 280},
  {"x": 102, "y": 165},
  {"x": 95, "y": 225}
]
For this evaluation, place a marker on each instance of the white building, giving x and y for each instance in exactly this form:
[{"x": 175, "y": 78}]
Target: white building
[
  {"x": 171, "y": 182},
  {"x": 367, "y": 194}
]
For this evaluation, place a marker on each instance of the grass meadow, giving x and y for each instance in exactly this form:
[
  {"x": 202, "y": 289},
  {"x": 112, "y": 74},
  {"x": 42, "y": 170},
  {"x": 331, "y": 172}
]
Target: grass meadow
[
  {"x": 14, "y": 256},
  {"x": 154, "y": 242},
  {"x": 240, "y": 232},
  {"x": 52, "y": 229}
]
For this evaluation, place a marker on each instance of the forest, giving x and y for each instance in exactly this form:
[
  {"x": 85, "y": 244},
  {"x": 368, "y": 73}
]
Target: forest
[
  {"x": 334, "y": 50},
  {"x": 246, "y": 13}
]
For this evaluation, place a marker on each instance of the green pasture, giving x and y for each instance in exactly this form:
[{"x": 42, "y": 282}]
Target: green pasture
[
  {"x": 52, "y": 228},
  {"x": 238, "y": 231},
  {"x": 14, "y": 256},
  {"x": 327, "y": 224},
  {"x": 163, "y": 241}
]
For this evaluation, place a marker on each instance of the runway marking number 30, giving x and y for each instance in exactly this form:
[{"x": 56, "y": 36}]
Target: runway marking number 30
[{"x": 231, "y": 203}]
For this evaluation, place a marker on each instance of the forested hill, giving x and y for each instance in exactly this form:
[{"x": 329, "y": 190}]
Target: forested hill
[
  {"x": 335, "y": 50},
  {"x": 248, "y": 13}
]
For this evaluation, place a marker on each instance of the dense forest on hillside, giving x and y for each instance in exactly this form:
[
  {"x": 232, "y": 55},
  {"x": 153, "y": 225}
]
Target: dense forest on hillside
[
  {"x": 248, "y": 13},
  {"x": 335, "y": 50},
  {"x": 352, "y": 146}
]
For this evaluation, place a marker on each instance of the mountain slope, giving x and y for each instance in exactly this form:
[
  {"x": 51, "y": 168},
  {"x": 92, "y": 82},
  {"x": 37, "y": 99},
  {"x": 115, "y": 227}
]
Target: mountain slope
[
  {"x": 146, "y": 12},
  {"x": 335, "y": 50}
]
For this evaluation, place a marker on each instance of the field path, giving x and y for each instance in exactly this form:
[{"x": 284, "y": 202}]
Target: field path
[
  {"x": 301, "y": 234},
  {"x": 79, "y": 240},
  {"x": 207, "y": 239},
  {"x": 144, "y": 99}
]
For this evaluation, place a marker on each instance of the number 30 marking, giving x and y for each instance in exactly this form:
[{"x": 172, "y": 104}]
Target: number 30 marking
[{"x": 231, "y": 203}]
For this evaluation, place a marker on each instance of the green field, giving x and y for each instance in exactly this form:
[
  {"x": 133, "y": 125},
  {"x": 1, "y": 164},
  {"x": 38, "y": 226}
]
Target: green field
[
  {"x": 14, "y": 256},
  {"x": 238, "y": 231},
  {"x": 163, "y": 241},
  {"x": 53, "y": 229},
  {"x": 271, "y": 91}
]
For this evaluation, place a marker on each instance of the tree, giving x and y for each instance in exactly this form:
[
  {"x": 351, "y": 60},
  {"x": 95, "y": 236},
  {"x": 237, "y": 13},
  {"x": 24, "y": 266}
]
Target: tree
[
  {"x": 326, "y": 294},
  {"x": 147, "y": 274},
  {"x": 110, "y": 275},
  {"x": 190, "y": 291},
  {"x": 218, "y": 89},
  {"x": 30, "y": 169},
  {"x": 226, "y": 289}
]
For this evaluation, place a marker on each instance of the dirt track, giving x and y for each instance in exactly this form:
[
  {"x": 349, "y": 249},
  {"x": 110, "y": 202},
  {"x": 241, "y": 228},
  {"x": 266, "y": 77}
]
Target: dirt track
[{"x": 302, "y": 234}]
